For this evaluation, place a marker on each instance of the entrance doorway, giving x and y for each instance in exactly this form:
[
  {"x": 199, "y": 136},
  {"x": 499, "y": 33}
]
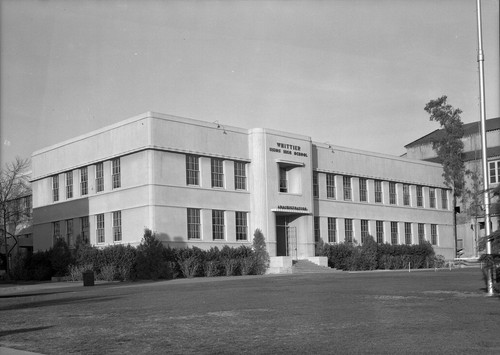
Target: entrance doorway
[{"x": 286, "y": 238}]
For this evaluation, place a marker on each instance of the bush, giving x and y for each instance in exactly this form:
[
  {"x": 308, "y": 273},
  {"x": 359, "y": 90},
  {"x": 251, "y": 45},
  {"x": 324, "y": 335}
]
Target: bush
[
  {"x": 60, "y": 258},
  {"x": 149, "y": 261},
  {"x": 189, "y": 261},
  {"x": 261, "y": 256}
]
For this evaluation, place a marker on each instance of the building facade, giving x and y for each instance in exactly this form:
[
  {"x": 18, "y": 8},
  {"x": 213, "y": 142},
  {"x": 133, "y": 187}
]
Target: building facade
[{"x": 203, "y": 184}]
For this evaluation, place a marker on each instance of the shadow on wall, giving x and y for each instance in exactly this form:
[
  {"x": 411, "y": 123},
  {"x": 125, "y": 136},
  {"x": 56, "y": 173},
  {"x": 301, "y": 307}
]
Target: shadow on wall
[{"x": 176, "y": 242}]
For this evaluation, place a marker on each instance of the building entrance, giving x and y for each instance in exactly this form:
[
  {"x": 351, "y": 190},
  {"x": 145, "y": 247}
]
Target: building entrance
[{"x": 286, "y": 238}]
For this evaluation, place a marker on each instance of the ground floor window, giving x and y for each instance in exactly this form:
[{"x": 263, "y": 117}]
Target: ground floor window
[
  {"x": 317, "y": 233},
  {"x": 84, "y": 221},
  {"x": 407, "y": 233},
  {"x": 217, "y": 224},
  {"x": 100, "y": 228},
  {"x": 241, "y": 226},
  {"x": 69, "y": 233},
  {"x": 193, "y": 223},
  {"x": 364, "y": 230},
  {"x": 117, "y": 226},
  {"x": 56, "y": 227},
  {"x": 434, "y": 234},
  {"x": 421, "y": 233},
  {"x": 394, "y": 233},
  {"x": 380, "y": 231},
  {"x": 348, "y": 230},
  {"x": 332, "y": 230}
]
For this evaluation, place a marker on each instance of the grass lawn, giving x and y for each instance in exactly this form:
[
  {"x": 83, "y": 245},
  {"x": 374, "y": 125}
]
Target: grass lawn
[{"x": 378, "y": 312}]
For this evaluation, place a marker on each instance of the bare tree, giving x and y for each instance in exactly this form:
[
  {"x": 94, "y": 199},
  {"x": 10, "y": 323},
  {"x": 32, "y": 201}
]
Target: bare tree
[{"x": 15, "y": 203}]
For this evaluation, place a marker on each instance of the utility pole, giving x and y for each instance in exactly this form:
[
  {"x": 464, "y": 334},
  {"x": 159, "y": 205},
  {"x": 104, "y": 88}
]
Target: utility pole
[{"x": 487, "y": 228}]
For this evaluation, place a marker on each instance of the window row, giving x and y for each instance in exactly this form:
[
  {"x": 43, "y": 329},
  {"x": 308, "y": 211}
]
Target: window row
[
  {"x": 411, "y": 195},
  {"x": 384, "y": 232},
  {"x": 217, "y": 172},
  {"x": 219, "y": 230},
  {"x": 84, "y": 180}
]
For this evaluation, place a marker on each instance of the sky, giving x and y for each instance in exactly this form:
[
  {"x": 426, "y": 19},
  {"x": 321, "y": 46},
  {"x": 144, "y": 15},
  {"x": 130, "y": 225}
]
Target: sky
[{"x": 354, "y": 73}]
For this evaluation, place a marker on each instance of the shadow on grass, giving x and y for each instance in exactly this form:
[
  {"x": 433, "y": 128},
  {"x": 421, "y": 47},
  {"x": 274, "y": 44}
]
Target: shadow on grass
[
  {"x": 57, "y": 302},
  {"x": 19, "y": 295},
  {"x": 23, "y": 330}
]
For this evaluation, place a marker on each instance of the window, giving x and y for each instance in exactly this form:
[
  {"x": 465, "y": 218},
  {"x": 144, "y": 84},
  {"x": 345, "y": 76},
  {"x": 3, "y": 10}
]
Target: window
[
  {"x": 99, "y": 177},
  {"x": 380, "y": 231},
  {"x": 407, "y": 233},
  {"x": 347, "y": 188},
  {"x": 28, "y": 205},
  {"x": 117, "y": 226},
  {"x": 217, "y": 224},
  {"x": 394, "y": 233},
  {"x": 364, "y": 230},
  {"x": 444, "y": 199},
  {"x": 240, "y": 176},
  {"x": 406, "y": 194},
  {"x": 193, "y": 223},
  {"x": 84, "y": 221},
  {"x": 56, "y": 226},
  {"x": 421, "y": 233},
  {"x": 217, "y": 167},
  {"x": 283, "y": 180},
  {"x": 69, "y": 184},
  {"x": 192, "y": 170},
  {"x": 100, "y": 228},
  {"x": 420, "y": 197},
  {"x": 494, "y": 168},
  {"x": 348, "y": 230},
  {"x": 315, "y": 185},
  {"x": 392, "y": 193},
  {"x": 317, "y": 231},
  {"x": 362, "y": 190},
  {"x": 434, "y": 234},
  {"x": 330, "y": 186},
  {"x": 332, "y": 230},
  {"x": 432, "y": 198},
  {"x": 84, "y": 181},
  {"x": 378, "y": 191},
  {"x": 241, "y": 226},
  {"x": 116, "y": 173},
  {"x": 69, "y": 233},
  {"x": 55, "y": 188}
]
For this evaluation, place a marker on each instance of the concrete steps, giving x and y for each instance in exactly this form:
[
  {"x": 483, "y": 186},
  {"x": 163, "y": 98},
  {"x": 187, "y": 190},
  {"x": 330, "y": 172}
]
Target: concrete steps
[{"x": 308, "y": 267}]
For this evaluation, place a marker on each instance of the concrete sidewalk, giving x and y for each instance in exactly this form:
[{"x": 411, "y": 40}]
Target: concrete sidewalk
[{"x": 9, "y": 351}]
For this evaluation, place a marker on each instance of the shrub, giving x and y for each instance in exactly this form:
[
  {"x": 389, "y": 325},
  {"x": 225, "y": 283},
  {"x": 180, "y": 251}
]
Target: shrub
[
  {"x": 60, "y": 257},
  {"x": 149, "y": 262},
  {"x": 107, "y": 273},
  {"x": 76, "y": 271},
  {"x": 189, "y": 261},
  {"x": 261, "y": 256},
  {"x": 39, "y": 266}
]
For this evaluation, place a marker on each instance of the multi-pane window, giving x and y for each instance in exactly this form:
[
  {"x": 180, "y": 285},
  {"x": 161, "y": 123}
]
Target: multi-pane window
[
  {"x": 420, "y": 197},
  {"x": 362, "y": 190},
  {"x": 432, "y": 198},
  {"x": 394, "y": 233},
  {"x": 117, "y": 226},
  {"x": 56, "y": 227},
  {"x": 193, "y": 223},
  {"x": 192, "y": 170},
  {"x": 347, "y": 188},
  {"x": 444, "y": 199},
  {"x": 421, "y": 233},
  {"x": 330, "y": 186},
  {"x": 315, "y": 185},
  {"x": 240, "y": 176},
  {"x": 84, "y": 222},
  {"x": 434, "y": 234},
  {"x": 69, "y": 232},
  {"x": 217, "y": 168},
  {"x": 28, "y": 205},
  {"x": 283, "y": 180},
  {"x": 332, "y": 230},
  {"x": 378, "y": 191},
  {"x": 99, "y": 177},
  {"x": 241, "y": 226},
  {"x": 116, "y": 173},
  {"x": 69, "y": 184},
  {"x": 317, "y": 233},
  {"x": 392, "y": 193},
  {"x": 494, "y": 171},
  {"x": 364, "y": 230},
  {"x": 217, "y": 224},
  {"x": 380, "y": 231},
  {"x": 407, "y": 233},
  {"x": 100, "y": 228},
  {"x": 406, "y": 194},
  {"x": 84, "y": 181},
  {"x": 55, "y": 188},
  {"x": 348, "y": 230}
]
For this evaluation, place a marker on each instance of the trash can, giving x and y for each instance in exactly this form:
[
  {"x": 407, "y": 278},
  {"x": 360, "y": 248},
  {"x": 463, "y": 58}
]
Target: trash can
[{"x": 88, "y": 278}]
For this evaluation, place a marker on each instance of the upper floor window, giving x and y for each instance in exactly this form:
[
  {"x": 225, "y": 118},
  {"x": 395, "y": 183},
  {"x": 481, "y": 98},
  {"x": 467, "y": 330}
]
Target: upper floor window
[
  {"x": 348, "y": 230},
  {"x": 444, "y": 199},
  {"x": 100, "y": 228},
  {"x": 84, "y": 181},
  {"x": 407, "y": 233},
  {"x": 217, "y": 224},
  {"x": 193, "y": 223},
  {"x": 69, "y": 184},
  {"x": 330, "y": 186},
  {"x": 55, "y": 188},
  {"x": 283, "y": 179},
  {"x": 380, "y": 231},
  {"x": 434, "y": 234},
  {"x": 116, "y": 173},
  {"x": 432, "y": 198},
  {"x": 494, "y": 168},
  {"x": 362, "y": 190},
  {"x": 392, "y": 193},
  {"x": 240, "y": 176},
  {"x": 192, "y": 170},
  {"x": 117, "y": 226},
  {"x": 217, "y": 168},
  {"x": 315, "y": 185},
  {"x": 347, "y": 188},
  {"x": 421, "y": 233},
  {"x": 364, "y": 230},
  {"x": 394, "y": 233},
  {"x": 378, "y": 191},
  {"x": 406, "y": 194},
  {"x": 332, "y": 230},
  {"x": 99, "y": 177},
  {"x": 420, "y": 197},
  {"x": 241, "y": 226}
]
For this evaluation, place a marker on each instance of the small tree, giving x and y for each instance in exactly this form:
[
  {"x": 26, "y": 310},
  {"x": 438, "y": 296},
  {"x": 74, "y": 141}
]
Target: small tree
[
  {"x": 449, "y": 147},
  {"x": 261, "y": 254}
]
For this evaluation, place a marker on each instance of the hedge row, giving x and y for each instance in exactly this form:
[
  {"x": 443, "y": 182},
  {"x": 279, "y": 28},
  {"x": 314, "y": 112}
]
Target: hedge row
[{"x": 372, "y": 256}]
